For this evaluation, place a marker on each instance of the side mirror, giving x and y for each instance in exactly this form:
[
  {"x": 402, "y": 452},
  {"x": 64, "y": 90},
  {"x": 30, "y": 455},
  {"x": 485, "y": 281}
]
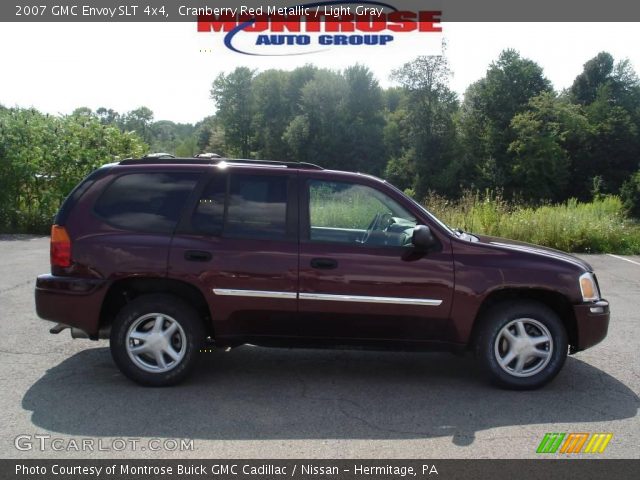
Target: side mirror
[{"x": 423, "y": 239}]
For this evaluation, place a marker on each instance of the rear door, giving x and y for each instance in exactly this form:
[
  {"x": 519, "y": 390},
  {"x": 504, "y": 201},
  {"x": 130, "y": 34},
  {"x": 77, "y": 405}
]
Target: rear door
[
  {"x": 360, "y": 278},
  {"x": 239, "y": 243}
]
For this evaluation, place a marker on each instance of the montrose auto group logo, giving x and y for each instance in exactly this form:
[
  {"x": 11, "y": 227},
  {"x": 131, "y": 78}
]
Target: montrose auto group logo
[{"x": 317, "y": 27}]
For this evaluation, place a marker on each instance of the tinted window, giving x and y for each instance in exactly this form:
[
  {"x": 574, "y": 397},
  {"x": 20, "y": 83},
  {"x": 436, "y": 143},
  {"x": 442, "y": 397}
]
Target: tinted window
[
  {"x": 149, "y": 202},
  {"x": 257, "y": 206},
  {"x": 208, "y": 216},
  {"x": 357, "y": 214}
]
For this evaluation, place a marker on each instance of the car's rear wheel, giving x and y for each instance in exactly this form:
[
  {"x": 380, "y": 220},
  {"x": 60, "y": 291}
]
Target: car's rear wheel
[
  {"x": 155, "y": 339},
  {"x": 521, "y": 344}
]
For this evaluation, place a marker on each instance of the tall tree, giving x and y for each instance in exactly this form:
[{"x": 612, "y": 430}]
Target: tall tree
[
  {"x": 489, "y": 105},
  {"x": 273, "y": 111},
  {"x": 233, "y": 96},
  {"x": 316, "y": 134},
  {"x": 364, "y": 121},
  {"x": 430, "y": 107},
  {"x": 596, "y": 73},
  {"x": 139, "y": 121},
  {"x": 544, "y": 134},
  {"x": 610, "y": 92}
]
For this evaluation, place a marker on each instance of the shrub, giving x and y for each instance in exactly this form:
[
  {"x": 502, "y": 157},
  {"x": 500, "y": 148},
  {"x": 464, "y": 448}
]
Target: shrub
[
  {"x": 630, "y": 193},
  {"x": 595, "y": 227}
]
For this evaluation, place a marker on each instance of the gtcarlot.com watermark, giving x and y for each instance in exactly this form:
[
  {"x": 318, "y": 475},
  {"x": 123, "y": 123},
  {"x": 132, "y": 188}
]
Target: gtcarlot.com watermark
[{"x": 44, "y": 442}]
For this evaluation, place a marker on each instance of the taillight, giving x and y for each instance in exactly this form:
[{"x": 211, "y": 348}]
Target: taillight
[{"x": 60, "y": 247}]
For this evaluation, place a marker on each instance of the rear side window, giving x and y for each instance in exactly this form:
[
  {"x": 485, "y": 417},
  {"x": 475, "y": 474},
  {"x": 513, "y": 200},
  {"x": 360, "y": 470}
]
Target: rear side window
[
  {"x": 148, "y": 202},
  {"x": 257, "y": 206},
  {"x": 208, "y": 217},
  {"x": 250, "y": 206}
]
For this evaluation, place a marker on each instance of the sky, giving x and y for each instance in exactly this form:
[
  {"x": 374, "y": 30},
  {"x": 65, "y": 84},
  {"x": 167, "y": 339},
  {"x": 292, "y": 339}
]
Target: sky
[{"x": 169, "y": 67}]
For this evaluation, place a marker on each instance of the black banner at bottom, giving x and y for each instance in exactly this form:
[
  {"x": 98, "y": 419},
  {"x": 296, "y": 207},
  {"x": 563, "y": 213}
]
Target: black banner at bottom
[{"x": 317, "y": 469}]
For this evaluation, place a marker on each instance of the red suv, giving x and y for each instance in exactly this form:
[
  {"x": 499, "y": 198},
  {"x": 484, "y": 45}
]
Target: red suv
[{"x": 160, "y": 254}]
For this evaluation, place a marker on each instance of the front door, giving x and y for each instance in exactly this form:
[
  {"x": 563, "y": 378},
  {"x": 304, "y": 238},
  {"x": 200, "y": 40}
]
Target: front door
[{"x": 360, "y": 277}]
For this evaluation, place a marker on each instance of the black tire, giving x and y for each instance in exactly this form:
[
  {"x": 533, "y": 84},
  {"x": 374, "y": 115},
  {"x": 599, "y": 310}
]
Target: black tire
[
  {"x": 188, "y": 338},
  {"x": 534, "y": 317}
]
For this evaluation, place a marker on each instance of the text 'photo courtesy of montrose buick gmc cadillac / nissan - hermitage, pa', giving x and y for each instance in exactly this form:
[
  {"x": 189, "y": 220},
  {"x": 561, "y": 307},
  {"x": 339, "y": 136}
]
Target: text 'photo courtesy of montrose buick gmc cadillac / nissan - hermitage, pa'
[{"x": 163, "y": 255}]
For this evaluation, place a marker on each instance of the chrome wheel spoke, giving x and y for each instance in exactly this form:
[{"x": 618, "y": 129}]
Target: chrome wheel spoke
[
  {"x": 160, "y": 359},
  {"x": 540, "y": 353},
  {"x": 171, "y": 330},
  {"x": 505, "y": 361},
  {"x": 172, "y": 353},
  {"x": 509, "y": 336},
  {"x": 157, "y": 326},
  {"x": 521, "y": 360},
  {"x": 138, "y": 349},
  {"x": 140, "y": 336},
  {"x": 522, "y": 332},
  {"x": 538, "y": 340}
]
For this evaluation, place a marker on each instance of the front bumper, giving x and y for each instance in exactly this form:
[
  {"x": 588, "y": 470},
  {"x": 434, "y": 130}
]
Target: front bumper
[
  {"x": 76, "y": 302},
  {"x": 592, "y": 322}
]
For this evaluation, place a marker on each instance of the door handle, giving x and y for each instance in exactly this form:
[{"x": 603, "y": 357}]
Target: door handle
[
  {"x": 197, "y": 256},
  {"x": 324, "y": 263}
]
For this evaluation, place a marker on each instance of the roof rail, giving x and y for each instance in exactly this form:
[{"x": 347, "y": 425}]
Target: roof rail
[
  {"x": 159, "y": 155},
  {"x": 201, "y": 160}
]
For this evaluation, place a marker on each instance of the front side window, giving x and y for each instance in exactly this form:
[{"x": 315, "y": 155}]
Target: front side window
[
  {"x": 146, "y": 202},
  {"x": 356, "y": 214}
]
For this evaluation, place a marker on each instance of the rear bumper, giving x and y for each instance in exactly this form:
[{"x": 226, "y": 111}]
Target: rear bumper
[
  {"x": 73, "y": 301},
  {"x": 592, "y": 321}
]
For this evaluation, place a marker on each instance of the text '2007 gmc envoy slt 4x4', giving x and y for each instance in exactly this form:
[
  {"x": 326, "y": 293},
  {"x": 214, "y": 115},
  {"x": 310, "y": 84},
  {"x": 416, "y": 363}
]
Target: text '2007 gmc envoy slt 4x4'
[{"x": 161, "y": 254}]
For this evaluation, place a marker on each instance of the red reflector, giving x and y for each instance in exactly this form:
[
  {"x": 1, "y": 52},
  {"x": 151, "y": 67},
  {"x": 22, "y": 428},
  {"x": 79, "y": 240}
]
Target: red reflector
[{"x": 60, "y": 247}]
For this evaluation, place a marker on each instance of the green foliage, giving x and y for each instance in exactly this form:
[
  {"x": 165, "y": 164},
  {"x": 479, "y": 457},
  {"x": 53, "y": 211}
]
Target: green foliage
[
  {"x": 594, "y": 227},
  {"x": 543, "y": 135},
  {"x": 233, "y": 97},
  {"x": 167, "y": 136},
  {"x": 427, "y": 116},
  {"x": 630, "y": 194},
  {"x": 43, "y": 157},
  {"x": 316, "y": 133},
  {"x": 610, "y": 95},
  {"x": 490, "y": 104}
]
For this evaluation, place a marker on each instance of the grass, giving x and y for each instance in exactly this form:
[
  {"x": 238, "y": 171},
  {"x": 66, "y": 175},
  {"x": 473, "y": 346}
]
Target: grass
[{"x": 599, "y": 226}]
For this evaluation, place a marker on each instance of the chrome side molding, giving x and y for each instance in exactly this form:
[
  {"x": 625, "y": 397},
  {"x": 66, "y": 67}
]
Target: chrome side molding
[
  {"x": 327, "y": 297},
  {"x": 255, "y": 293},
  {"x": 367, "y": 299}
]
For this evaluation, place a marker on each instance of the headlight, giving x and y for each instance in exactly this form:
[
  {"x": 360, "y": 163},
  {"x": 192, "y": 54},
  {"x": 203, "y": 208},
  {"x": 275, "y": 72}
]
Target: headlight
[{"x": 589, "y": 287}]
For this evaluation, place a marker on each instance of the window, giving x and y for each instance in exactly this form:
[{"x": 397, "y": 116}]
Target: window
[
  {"x": 357, "y": 214},
  {"x": 149, "y": 202},
  {"x": 208, "y": 217},
  {"x": 257, "y": 206}
]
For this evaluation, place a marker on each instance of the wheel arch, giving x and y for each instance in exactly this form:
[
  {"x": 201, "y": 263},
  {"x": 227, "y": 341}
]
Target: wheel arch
[
  {"x": 124, "y": 290},
  {"x": 553, "y": 300}
]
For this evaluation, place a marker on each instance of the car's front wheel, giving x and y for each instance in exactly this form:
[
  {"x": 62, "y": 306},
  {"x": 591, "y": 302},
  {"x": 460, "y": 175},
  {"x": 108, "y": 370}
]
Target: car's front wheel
[
  {"x": 521, "y": 344},
  {"x": 155, "y": 339}
]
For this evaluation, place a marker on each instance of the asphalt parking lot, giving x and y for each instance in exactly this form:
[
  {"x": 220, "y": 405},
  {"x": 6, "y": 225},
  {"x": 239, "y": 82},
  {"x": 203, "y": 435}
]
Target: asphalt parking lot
[{"x": 268, "y": 403}]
